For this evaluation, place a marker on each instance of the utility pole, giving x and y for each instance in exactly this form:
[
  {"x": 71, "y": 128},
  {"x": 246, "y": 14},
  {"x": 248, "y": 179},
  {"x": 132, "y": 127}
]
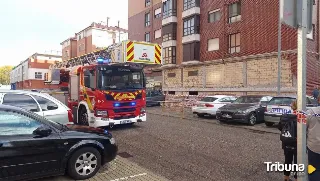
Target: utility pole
[
  {"x": 301, "y": 82},
  {"x": 279, "y": 47},
  {"x": 119, "y": 31}
]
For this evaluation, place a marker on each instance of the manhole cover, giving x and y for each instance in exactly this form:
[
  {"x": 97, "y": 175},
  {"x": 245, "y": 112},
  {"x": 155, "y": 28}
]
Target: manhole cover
[{"x": 125, "y": 155}]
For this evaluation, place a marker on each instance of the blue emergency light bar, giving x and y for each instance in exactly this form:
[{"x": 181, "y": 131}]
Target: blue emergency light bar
[{"x": 103, "y": 61}]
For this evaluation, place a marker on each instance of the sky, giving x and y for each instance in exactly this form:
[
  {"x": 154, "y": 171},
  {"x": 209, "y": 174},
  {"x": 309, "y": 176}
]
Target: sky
[{"x": 30, "y": 26}]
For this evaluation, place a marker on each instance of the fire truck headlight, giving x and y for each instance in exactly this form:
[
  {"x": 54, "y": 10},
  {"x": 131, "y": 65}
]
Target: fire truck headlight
[{"x": 101, "y": 113}]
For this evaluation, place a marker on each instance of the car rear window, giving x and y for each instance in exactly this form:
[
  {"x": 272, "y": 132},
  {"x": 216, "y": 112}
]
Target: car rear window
[
  {"x": 281, "y": 101},
  {"x": 208, "y": 99}
]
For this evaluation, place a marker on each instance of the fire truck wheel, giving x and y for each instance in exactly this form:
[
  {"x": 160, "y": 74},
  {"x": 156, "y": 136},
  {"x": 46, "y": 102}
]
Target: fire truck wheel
[{"x": 83, "y": 118}]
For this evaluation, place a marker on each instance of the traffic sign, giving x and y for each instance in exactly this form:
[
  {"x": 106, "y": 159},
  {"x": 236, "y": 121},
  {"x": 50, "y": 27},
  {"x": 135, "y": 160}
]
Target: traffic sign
[{"x": 291, "y": 15}]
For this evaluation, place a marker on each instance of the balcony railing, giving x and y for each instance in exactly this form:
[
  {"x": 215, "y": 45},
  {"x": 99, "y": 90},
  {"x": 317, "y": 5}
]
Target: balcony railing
[{"x": 169, "y": 13}]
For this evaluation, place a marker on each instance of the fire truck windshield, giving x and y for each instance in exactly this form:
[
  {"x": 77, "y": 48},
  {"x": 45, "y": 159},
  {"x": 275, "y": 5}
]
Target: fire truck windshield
[{"x": 118, "y": 78}]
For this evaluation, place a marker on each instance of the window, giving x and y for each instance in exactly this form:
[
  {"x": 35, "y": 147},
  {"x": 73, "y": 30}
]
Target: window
[
  {"x": 190, "y": 26},
  {"x": 169, "y": 32},
  {"x": 213, "y": 44},
  {"x": 191, "y": 51},
  {"x": 214, "y": 16},
  {"x": 169, "y": 8},
  {"x": 23, "y": 101},
  {"x": 157, "y": 34},
  {"x": 147, "y": 37},
  {"x": 147, "y": 2},
  {"x": 171, "y": 74},
  {"x": 193, "y": 73},
  {"x": 311, "y": 34},
  {"x": 234, "y": 43},
  {"x": 46, "y": 104},
  {"x": 157, "y": 13},
  {"x": 208, "y": 99},
  {"x": 38, "y": 75},
  {"x": 147, "y": 19},
  {"x": 225, "y": 99},
  {"x": 234, "y": 12},
  {"x": 187, "y": 4},
  {"x": 12, "y": 123},
  {"x": 169, "y": 56}
]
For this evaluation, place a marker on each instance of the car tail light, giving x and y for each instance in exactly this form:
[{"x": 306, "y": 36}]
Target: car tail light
[
  {"x": 209, "y": 105},
  {"x": 70, "y": 115}
]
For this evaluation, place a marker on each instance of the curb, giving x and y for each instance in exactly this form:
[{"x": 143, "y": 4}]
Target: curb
[{"x": 257, "y": 130}]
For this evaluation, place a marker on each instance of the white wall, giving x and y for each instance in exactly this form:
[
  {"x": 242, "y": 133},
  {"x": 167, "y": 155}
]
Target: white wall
[
  {"x": 102, "y": 38},
  {"x": 31, "y": 73}
]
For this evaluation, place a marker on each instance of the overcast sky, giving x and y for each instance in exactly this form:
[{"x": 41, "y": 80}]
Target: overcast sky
[{"x": 29, "y": 26}]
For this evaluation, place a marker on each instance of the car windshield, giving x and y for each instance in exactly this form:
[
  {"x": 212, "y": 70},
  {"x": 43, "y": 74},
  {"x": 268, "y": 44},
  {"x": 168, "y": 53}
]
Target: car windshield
[
  {"x": 248, "y": 99},
  {"x": 119, "y": 78},
  {"x": 281, "y": 101},
  {"x": 208, "y": 99}
]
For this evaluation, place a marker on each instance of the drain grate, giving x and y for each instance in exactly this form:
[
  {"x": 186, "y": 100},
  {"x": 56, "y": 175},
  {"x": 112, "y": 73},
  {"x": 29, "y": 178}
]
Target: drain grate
[{"x": 125, "y": 155}]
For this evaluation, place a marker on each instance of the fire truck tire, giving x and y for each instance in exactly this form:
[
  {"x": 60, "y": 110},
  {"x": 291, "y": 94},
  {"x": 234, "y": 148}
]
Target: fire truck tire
[{"x": 83, "y": 117}]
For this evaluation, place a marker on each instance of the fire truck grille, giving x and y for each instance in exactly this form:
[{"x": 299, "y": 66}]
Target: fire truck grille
[{"x": 124, "y": 110}]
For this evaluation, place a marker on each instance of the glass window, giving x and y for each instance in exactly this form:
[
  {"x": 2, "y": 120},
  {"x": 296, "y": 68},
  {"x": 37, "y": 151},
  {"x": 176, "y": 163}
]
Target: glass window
[
  {"x": 248, "y": 99},
  {"x": 147, "y": 19},
  {"x": 46, "y": 104},
  {"x": 187, "y": 4},
  {"x": 281, "y": 101},
  {"x": 147, "y": 2},
  {"x": 208, "y": 99},
  {"x": 214, "y": 16},
  {"x": 188, "y": 26},
  {"x": 234, "y": 43},
  {"x": 169, "y": 8},
  {"x": 12, "y": 123},
  {"x": 234, "y": 12},
  {"x": 23, "y": 101},
  {"x": 38, "y": 75},
  {"x": 147, "y": 37},
  {"x": 169, "y": 56}
]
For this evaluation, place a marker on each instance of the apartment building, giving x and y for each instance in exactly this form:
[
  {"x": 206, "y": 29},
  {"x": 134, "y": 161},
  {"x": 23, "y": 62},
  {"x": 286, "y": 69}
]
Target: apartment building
[
  {"x": 223, "y": 47},
  {"x": 29, "y": 74},
  {"x": 92, "y": 38}
]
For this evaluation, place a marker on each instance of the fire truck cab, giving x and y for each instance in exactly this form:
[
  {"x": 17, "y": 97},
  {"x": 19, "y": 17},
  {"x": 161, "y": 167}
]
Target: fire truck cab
[{"x": 108, "y": 87}]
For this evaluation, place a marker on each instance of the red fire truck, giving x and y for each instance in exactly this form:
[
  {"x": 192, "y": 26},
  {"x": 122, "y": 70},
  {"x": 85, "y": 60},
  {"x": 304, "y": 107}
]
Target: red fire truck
[
  {"x": 58, "y": 77},
  {"x": 108, "y": 87}
]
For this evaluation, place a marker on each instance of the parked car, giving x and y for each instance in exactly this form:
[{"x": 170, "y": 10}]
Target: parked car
[
  {"x": 282, "y": 105},
  {"x": 42, "y": 104},
  {"x": 210, "y": 104},
  {"x": 32, "y": 147},
  {"x": 246, "y": 109},
  {"x": 154, "y": 98}
]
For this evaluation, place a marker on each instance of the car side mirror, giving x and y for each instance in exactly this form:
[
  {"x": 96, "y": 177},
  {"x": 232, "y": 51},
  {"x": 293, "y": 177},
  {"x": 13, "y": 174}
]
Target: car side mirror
[
  {"x": 42, "y": 131},
  {"x": 52, "y": 107}
]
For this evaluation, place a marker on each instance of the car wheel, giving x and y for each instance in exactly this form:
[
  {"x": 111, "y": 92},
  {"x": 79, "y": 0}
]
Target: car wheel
[
  {"x": 84, "y": 163},
  {"x": 83, "y": 118},
  {"x": 252, "y": 119},
  {"x": 200, "y": 115},
  {"x": 269, "y": 124}
]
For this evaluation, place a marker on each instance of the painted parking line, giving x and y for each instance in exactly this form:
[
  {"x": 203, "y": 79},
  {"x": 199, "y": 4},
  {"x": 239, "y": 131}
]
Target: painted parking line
[{"x": 118, "y": 170}]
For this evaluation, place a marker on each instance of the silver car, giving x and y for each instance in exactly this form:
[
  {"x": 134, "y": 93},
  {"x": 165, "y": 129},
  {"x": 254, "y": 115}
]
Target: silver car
[
  {"x": 42, "y": 104},
  {"x": 282, "y": 105}
]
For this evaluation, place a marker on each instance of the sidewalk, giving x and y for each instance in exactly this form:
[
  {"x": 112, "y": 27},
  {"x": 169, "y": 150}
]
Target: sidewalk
[{"x": 186, "y": 113}]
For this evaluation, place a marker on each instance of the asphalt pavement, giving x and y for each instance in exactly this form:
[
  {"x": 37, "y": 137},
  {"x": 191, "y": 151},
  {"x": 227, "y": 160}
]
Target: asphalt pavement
[
  {"x": 191, "y": 150},
  {"x": 182, "y": 147}
]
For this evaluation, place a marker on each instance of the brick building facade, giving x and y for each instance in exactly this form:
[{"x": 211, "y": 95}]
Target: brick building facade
[
  {"x": 225, "y": 46},
  {"x": 30, "y": 73},
  {"x": 92, "y": 38}
]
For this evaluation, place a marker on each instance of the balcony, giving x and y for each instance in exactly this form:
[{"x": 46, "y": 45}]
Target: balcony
[
  {"x": 190, "y": 38},
  {"x": 169, "y": 43},
  {"x": 169, "y": 16},
  {"x": 191, "y": 7}
]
